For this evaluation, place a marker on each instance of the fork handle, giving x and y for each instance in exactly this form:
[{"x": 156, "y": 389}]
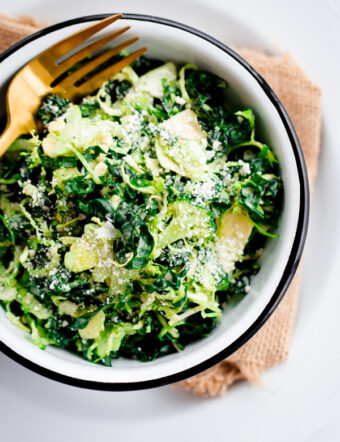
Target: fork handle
[{"x": 9, "y": 135}]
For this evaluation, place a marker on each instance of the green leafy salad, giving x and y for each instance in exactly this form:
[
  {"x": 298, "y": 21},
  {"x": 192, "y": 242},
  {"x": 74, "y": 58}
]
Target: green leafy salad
[{"x": 129, "y": 220}]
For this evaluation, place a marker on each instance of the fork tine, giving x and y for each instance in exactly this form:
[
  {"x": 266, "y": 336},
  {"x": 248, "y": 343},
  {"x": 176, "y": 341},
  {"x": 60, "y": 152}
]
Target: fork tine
[
  {"x": 90, "y": 49},
  {"x": 64, "y": 46},
  {"x": 93, "y": 83},
  {"x": 88, "y": 67}
]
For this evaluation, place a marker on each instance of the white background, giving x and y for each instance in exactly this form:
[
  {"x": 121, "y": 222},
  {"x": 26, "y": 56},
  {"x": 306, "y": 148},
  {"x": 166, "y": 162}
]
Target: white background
[{"x": 297, "y": 401}]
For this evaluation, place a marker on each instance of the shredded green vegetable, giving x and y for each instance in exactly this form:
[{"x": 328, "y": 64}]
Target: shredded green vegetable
[{"x": 128, "y": 221}]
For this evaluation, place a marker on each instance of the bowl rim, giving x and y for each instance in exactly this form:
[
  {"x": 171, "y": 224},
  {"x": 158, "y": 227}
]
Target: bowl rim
[{"x": 295, "y": 253}]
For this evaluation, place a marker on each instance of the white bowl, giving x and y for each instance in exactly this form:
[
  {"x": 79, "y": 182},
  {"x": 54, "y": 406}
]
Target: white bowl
[{"x": 168, "y": 40}]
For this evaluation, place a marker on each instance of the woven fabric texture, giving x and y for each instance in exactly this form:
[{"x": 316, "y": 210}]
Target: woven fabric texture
[{"x": 301, "y": 97}]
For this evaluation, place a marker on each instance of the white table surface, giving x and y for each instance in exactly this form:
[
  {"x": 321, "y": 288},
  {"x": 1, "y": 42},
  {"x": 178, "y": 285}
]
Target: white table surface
[{"x": 298, "y": 400}]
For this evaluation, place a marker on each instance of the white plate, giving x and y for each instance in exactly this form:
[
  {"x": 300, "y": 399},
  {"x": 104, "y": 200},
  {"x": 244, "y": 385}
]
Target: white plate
[{"x": 301, "y": 398}]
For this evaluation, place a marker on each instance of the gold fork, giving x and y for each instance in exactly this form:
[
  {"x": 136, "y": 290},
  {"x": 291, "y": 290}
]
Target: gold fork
[{"x": 35, "y": 80}]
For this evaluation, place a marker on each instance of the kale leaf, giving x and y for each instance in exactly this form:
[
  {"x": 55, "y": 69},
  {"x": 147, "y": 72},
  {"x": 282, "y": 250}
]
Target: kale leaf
[
  {"x": 52, "y": 107},
  {"x": 79, "y": 185},
  {"x": 136, "y": 237},
  {"x": 144, "y": 64},
  {"x": 117, "y": 90}
]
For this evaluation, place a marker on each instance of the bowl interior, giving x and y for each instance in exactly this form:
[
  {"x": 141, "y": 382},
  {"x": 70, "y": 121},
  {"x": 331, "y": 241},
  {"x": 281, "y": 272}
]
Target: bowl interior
[{"x": 172, "y": 43}]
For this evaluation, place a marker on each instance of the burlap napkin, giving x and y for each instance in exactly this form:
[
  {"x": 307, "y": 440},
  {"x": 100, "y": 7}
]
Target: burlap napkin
[{"x": 301, "y": 98}]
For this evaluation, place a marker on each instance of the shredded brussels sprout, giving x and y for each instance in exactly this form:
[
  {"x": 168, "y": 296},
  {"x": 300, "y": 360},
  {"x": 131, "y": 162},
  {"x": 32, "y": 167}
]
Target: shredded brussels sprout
[{"x": 128, "y": 221}]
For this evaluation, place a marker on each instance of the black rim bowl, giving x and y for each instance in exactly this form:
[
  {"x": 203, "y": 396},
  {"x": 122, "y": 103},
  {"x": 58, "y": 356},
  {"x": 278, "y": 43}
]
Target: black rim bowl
[{"x": 295, "y": 254}]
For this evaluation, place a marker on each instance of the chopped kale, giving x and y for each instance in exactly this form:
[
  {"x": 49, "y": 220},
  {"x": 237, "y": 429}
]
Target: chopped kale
[{"x": 52, "y": 107}]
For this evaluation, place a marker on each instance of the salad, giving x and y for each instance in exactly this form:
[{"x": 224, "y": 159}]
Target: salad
[{"x": 129, "y": 221}]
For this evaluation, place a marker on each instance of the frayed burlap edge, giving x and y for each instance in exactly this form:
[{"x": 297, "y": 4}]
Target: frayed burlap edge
[{"x": 13, "y": 29}]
